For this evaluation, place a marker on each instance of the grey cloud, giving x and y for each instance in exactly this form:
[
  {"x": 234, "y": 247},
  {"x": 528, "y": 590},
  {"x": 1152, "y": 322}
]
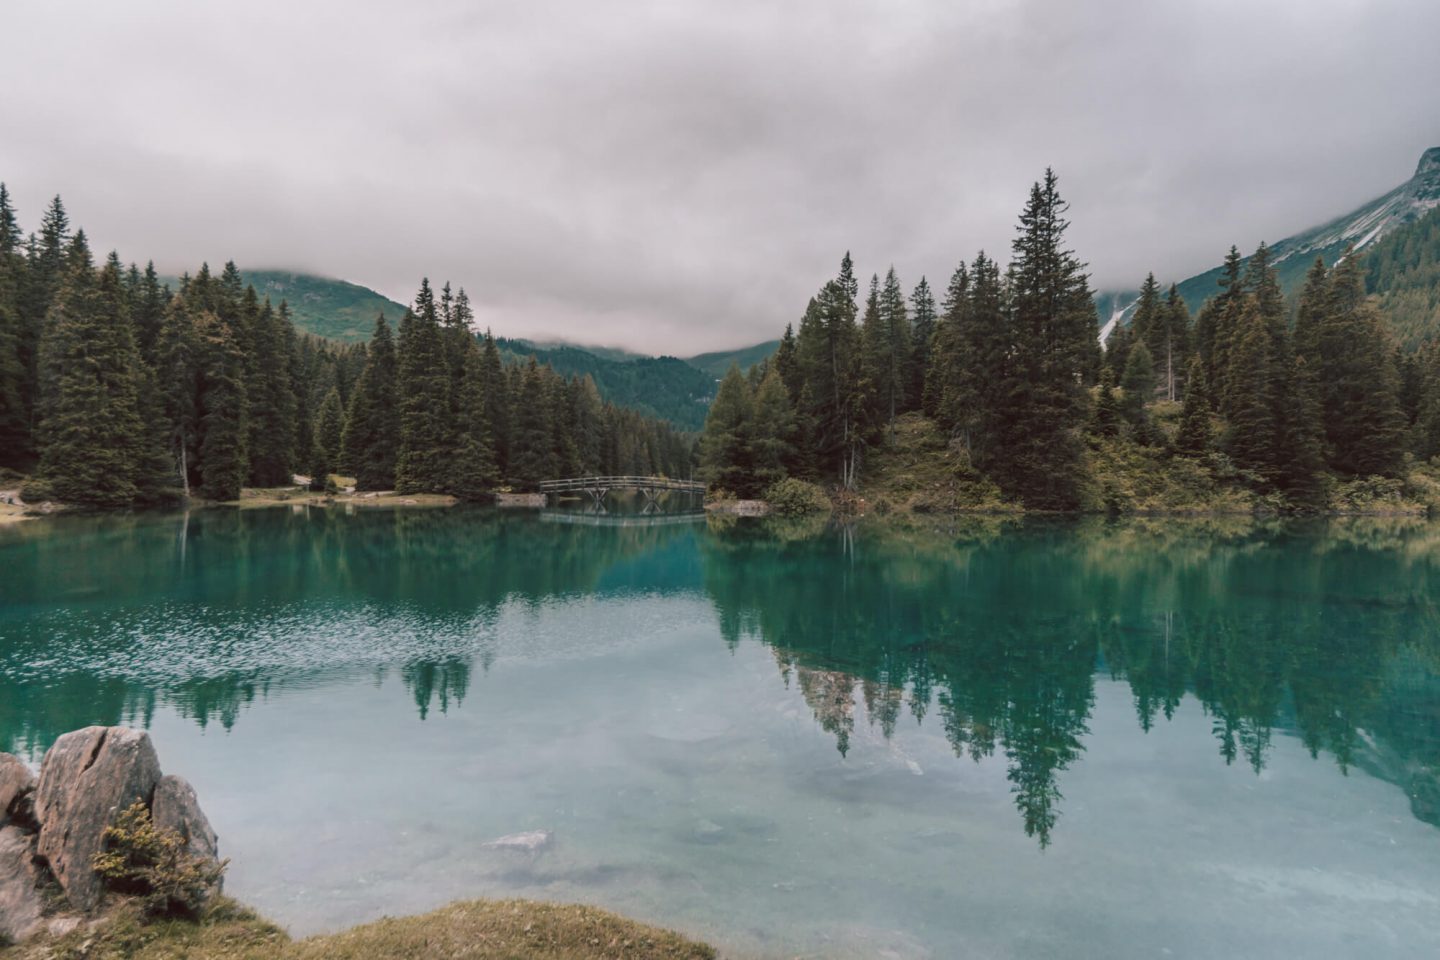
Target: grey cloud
[{"x": 681, "y": 176}]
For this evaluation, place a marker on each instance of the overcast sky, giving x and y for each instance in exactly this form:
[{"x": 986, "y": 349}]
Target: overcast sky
[{"x": 678, "y": 177}]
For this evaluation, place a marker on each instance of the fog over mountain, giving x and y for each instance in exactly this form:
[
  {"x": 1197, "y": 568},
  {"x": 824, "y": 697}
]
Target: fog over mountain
[{"x": 680, "y": 177}]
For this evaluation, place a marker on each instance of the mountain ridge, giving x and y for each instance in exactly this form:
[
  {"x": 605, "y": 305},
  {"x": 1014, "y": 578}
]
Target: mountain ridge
[{"x": 1292, "y": 256}]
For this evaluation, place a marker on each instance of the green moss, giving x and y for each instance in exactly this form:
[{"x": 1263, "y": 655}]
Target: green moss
[
  {"x": 471, "y": 930},
  {"x": 920, "y": 470}
]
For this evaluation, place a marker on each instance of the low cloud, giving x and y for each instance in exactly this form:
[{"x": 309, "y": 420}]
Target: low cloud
[{"x": 679, "y": 177}]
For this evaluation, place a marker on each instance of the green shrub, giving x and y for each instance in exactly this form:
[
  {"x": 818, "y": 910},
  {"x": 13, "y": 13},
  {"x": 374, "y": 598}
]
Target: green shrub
[
  {"x": 154, "y": 866},
  {"x": 36, "y": 490},
  {"x": 718, "y": 495},
  {"x": 795, "y": 498},
  {"x": 1369, "y": 493}
]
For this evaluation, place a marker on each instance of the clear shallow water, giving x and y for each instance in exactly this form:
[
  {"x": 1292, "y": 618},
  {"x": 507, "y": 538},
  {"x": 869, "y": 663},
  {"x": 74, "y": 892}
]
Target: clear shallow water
[{"x": 1048, "y": 740}]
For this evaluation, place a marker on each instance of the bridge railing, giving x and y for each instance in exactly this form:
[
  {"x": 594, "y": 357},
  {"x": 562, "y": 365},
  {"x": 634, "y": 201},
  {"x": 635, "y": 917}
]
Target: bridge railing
[{"x": 619, "y": 483}]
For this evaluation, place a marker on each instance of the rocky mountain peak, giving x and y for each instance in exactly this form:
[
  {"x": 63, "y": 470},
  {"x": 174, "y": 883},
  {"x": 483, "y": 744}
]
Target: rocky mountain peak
[{"x": 1429, "y": 164}]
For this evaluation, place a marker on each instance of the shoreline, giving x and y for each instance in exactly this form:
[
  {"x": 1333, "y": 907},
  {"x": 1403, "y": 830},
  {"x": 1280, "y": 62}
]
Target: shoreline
[
  {"x": 257, "y": 499},
  {"x": 477, "y": 929}
]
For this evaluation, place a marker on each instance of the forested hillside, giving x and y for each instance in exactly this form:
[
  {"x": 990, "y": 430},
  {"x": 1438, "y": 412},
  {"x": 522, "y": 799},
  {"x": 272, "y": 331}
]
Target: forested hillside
[
  {"x": 717, "y": 363},
  {"x": 666, "y": 387},
  {"x": 1361, "y": 229},
  {"x": 661, "y": 387},
  {"x": 334, "y": 309},
  {"x": 1011, "y": 372},
  {"x": 116, "y": 390},
  {"x": 1403, "y": 271}
]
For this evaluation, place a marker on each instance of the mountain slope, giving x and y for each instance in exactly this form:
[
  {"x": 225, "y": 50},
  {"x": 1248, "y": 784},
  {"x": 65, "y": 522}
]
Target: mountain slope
[
  {"x": 718, "y": 363},
  {"x": 335, "y": 309},
  {"x": 1403, "y": 270},
  {"x": 660, "y": 386},
  {"x": 1293, "y": 256},
  {"x": 672, "y": 389}
]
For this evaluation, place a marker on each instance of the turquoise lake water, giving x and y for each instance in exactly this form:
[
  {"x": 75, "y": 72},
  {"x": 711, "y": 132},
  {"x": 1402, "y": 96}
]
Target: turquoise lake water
[{"x": 999, "y": 739}]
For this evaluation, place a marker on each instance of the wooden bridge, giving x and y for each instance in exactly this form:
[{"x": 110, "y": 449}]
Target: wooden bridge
[{"x": 598, "y": 488}]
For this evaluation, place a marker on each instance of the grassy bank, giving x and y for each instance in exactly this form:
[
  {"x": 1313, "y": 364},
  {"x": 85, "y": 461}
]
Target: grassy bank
[
  {"x": 918, "y": 470},
  {"x": 468, "y": 930}
]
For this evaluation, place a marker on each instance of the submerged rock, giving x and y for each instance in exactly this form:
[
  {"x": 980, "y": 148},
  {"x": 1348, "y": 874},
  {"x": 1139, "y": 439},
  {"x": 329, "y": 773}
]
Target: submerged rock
[
  {"x": 86, "y": 780},
  {"x": 21, "y": 903},
  {"x": 532, "y": 842}
]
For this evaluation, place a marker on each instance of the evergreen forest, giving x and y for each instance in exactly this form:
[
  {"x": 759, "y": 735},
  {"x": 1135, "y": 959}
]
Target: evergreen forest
[
  {"x": 1284, "y": 398},
  {"x": 118, "y": 391}
]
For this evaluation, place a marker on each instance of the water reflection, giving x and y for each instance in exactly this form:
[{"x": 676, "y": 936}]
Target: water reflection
[
  {"x": 1328, "y": 633},
  {"x": 994, "y": 631}
]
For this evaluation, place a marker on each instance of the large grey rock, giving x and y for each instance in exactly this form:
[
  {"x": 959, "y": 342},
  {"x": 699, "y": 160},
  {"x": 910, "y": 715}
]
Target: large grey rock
[
  {"x": 20, "y": 900},
  {"x": 175, "y": 807},
  {"x": 17, "y": 788},
  {"x": 86, "y": 779}
]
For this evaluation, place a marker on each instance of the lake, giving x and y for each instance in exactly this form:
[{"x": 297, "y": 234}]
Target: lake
[{"x": 986, "y": 739}]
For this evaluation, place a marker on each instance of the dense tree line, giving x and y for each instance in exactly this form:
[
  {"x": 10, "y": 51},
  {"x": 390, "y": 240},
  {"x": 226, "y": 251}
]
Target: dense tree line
[
  {"x": 1403, "y": 269},
  {"x": 1004, "y": 364},
  {"x": 1286, "y": 394},
  {"x": 117, "y": 391}
]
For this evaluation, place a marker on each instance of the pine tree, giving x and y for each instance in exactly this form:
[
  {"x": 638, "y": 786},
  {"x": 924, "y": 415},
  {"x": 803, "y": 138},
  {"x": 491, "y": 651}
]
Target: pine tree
[
  {"x": 1218, "y": 328},
  {"x": 1359, "y": 385},
  {"x": 1147, "y": 324},
  {"x": 922, "y": 333},
  {"x": 328, "y": 437},
  {"x": 15, "y": 440},
  {"x": 148, "y": 308},
  {"x": 532, "y": 456},
  {"x": 1035, "y": 453},
  {"x": 1117, "y": 348},
  {"x": 1195, "y": 434},
  {"x": 423, "y": 384},
  {"x": 869, "y": 383},
  {"x": 498, "y": 414},
  {"x": 1107, "y": 417},
  {"x": 787, "y": 363},
  {"x": 92, "y": 437},
  {"x": 476, "y": 475},
  {"x": 895, "y": 322},
  {"x": 1138, "y": 384},
  {"x": 178, "y": 382},
  {"x": 726, "y": 454},
  {"x": 565, "y": 452},
  {"x": 773, "y": 429},
  {"x": 826, "y": 350},
  {"x": 371, "y": 440},
  {"x": 1426, "y": 441},
  {"x": 1251, "y": 435},
  {"x": 1173, "y": 356},
  {"x": 224, "y": 459},
  {"x": 47, "y": 260},
  {"x": 944, "y": 382},
  {"x": 587, "y": 416},
  {"x": 271, "y": 399}
]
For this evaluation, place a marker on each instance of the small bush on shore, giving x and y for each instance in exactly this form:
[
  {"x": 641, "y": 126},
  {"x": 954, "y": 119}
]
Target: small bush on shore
[
  {"x": 37, "y": 490},
  {"x": 154, "y": 867},
  {"x": 795, "y": 498}
]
